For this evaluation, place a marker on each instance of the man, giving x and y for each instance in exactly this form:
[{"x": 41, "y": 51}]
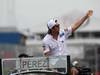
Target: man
[
  {"x": 53, "y": 42},
  {"x": 23, "y": 55}
]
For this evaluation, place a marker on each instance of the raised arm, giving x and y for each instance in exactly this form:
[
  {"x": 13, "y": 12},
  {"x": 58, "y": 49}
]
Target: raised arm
[{"x": 81, "y": 21}]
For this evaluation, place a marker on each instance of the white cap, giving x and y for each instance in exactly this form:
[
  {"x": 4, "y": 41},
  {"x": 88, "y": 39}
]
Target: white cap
[{"x": 51, "y": 23}]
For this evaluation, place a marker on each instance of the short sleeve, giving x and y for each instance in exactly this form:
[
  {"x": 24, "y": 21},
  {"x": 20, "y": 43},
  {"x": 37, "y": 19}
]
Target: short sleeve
[{"x": 45, "y": 47}]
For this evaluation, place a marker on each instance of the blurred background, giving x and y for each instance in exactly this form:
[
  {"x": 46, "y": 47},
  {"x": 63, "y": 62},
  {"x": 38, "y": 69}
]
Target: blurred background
[{"x": 23, "y": 24}]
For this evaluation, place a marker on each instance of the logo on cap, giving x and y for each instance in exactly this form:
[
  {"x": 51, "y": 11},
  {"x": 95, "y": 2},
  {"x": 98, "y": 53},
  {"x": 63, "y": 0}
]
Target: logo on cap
[{"x": 51, "y": 23}]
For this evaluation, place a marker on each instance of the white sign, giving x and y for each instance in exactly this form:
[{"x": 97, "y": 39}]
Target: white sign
[{"x": 32, "y": 63}]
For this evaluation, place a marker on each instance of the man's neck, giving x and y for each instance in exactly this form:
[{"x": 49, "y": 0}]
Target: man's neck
[{"x": 55, "y": 37}]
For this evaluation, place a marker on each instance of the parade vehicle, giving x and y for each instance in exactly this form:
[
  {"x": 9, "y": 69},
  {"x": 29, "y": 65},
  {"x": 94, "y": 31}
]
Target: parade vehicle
[{"x": 53, "y": 65}]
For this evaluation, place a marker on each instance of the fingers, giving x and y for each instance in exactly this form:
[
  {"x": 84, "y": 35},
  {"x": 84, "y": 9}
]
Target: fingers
[{"x": 90, "y": 13}]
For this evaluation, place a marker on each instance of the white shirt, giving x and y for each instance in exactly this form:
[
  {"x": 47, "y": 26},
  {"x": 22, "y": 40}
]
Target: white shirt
[{"x": 56, "y": 47}]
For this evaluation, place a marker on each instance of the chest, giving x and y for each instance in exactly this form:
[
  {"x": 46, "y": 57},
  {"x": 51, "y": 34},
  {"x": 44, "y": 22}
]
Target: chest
[{"x": 56, "y": 44}]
